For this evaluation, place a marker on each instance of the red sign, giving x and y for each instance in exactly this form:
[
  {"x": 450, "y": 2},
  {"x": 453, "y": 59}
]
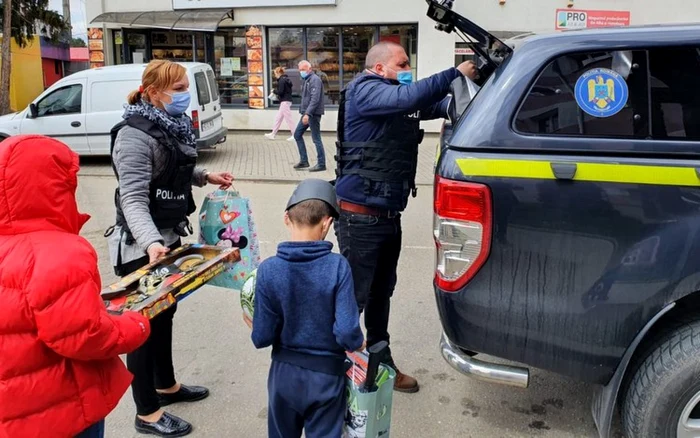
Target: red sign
[{"x": 585, "y": 19}]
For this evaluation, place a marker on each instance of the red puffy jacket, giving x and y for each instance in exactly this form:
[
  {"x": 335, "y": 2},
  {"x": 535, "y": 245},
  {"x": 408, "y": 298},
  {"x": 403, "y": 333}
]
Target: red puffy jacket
[{"x": 60, "y": 370}]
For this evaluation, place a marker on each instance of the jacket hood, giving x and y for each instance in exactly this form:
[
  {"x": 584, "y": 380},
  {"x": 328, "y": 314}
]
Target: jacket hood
[
  {"x": 38, "y": 179},
  {"x": 303, "y": 251}
]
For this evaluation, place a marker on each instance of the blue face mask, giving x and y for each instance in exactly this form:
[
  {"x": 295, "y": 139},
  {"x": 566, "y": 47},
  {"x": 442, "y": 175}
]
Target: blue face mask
[
  {"x": 180, "y": 103},
  {"x": 404, "y": 77},
  {"x": 304, "y": 74}
]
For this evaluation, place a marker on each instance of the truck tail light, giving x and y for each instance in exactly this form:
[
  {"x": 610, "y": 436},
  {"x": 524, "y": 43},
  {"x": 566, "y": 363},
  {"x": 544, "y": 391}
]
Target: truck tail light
[
  {"x": 195, "y": 119},
  {"x": 462, "y": 230}
]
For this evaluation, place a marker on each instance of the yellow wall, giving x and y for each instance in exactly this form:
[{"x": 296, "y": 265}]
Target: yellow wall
[{"x": 27, "y": 77}]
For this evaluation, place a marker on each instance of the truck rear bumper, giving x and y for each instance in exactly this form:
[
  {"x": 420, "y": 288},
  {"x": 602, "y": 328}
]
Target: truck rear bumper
[{"x": 488, "y": 372}]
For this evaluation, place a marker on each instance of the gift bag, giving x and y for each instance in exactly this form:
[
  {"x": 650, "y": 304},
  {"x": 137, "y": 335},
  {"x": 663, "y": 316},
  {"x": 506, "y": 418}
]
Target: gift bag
[
  {"x": 369, "y": 404},
  {"x": 226, "y": 219}
]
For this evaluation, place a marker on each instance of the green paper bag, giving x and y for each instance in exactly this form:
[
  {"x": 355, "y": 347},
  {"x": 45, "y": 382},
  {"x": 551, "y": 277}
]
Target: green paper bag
[{"x": 368, "y": 413}]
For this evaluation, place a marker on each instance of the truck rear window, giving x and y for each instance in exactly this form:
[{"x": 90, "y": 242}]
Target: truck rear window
[
  {"x": 656, "y": 95},
  {"x": 213, "y": 86},
  {"x": 200, "y": 80}
]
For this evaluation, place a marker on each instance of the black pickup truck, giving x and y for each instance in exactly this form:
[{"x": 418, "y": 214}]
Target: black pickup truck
[{"x": 567, "y": 218}]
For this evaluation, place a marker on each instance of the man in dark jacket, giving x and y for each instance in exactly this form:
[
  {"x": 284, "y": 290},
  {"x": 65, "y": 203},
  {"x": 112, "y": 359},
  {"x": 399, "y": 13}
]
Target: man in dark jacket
[
  {"x": 378, "y": 137},
  {"x": 312, "y": 108}
]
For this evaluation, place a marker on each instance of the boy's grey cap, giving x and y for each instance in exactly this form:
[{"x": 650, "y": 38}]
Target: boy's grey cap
[{"x": 315, "y": 189}]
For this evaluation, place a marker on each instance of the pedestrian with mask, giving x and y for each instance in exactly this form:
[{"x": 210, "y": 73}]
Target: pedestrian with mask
[
  {"x": 378, "y": 138},
  {"x": 283, "y": 92},
  {"x": 311, "y": 109},
  {"x": 154, "y": 158}
]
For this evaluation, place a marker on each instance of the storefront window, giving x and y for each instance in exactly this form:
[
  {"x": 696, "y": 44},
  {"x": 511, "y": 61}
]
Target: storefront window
[
  {"x": 136, "y": 47},
  {"x": 323, "y": 48},
  {"x": 286, "y": 49},
  {"x": 405, "y": 35},
  {"x": 231, "y": 67},
  {"x": 357, "y": 41},
  {"x": 177, "y": 46}
]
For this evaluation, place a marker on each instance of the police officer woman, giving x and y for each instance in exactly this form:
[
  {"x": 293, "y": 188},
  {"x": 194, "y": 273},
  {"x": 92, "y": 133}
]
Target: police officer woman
[{"x": 154, "y": 157}]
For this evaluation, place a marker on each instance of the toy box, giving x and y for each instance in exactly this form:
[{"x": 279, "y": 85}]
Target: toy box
[{"x": 158, "y": 285}]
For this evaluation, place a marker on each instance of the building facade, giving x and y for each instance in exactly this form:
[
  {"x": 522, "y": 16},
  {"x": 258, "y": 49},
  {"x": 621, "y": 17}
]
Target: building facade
[
  {"x": 244, "y": 40},
  {"x": 25, "y": 83}
]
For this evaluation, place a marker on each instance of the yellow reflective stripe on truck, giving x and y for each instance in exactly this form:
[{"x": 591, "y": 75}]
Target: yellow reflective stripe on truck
[{"x": 598, "y": 172}]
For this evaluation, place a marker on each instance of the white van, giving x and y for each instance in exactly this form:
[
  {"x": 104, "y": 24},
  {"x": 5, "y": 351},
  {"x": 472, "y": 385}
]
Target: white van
[{"x": 81, "y": 109}]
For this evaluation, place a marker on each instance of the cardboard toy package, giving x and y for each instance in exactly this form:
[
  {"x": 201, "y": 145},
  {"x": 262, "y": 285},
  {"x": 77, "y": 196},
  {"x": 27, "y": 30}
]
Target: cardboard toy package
[
  {"x": 158, "y": 285},
  {"x": 370, "y": 387}
]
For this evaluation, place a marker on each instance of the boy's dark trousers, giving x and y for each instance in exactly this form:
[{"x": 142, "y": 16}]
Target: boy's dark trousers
[{"x": 304, "y": 399}]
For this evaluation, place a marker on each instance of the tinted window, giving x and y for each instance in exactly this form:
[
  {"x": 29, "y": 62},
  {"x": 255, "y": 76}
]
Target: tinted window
[
  {"x": 66, "y": 100},
  {"x": 551, "y": 106},
  {"x": 212, "y": 85},
  {"x": 675, "y": 93},
  {"x": 202, "y": 89}
]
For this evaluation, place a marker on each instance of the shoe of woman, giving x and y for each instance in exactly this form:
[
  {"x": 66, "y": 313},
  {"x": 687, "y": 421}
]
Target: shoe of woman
[
  {"x": 270, "y": 136},
  {"x": 168, "y": 426},
  {"x": 185, "y": 394}
]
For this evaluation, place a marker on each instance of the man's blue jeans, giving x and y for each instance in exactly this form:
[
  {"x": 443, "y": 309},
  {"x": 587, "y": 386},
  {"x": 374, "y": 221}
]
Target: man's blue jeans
[
  {"x": 315, "y": 125},
  {"x": 97, "y": 430}
]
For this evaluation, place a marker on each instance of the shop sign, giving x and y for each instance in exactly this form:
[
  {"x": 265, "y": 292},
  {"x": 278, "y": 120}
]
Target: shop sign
[
  {"x": 587, "y": 19},
  {"x": 253, "y": 38},
  {"x": 232, "y": 4},
  {"x": 96, "y": 47},
  {"x": 463, "y": 51}
]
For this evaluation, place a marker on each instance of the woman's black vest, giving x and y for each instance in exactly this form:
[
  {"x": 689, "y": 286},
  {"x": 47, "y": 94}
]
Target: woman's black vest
[{"x": 170, "y": 195}]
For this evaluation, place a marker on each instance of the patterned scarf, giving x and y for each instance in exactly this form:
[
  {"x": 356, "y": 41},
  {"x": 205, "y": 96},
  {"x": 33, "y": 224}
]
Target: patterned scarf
[{"x": 179, "y": 127}]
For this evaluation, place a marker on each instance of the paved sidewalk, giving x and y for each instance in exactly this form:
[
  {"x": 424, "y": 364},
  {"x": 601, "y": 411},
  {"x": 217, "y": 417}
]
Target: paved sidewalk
[{"x": 251, "y": 157}]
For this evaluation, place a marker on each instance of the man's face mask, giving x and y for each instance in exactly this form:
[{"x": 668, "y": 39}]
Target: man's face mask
[{"x": 405, "y": 77}]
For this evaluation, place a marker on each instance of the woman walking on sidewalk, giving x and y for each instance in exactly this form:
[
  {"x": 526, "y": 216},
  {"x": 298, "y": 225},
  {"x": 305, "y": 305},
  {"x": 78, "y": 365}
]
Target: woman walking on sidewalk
[{"x": 284, "y": 94}]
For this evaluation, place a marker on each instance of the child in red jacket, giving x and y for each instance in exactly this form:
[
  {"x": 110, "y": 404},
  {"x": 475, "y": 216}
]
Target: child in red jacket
[{"x": 60, "y": 372}]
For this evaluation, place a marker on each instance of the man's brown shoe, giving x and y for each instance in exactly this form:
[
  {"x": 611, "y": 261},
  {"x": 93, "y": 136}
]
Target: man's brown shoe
[{"x": 405, "y": 383}]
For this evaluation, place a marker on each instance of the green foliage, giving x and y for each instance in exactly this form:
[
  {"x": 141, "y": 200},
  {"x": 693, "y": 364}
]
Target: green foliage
[
  {"x": 32, "y": 16},
  {"x": 78, "y": 42}
]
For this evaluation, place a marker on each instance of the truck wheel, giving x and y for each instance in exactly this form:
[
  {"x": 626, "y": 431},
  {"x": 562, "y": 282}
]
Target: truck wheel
[{"x": 663, "y": 397}]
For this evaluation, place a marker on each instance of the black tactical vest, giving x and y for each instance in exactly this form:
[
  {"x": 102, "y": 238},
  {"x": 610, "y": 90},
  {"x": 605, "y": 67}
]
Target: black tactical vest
[
  {"x": 386, "y": 165},
  {"x": 170, "y": 193}
]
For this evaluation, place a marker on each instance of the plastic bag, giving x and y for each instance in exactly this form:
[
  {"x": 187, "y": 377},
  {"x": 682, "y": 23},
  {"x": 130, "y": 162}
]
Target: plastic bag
[{"x": 225, "y": 219}]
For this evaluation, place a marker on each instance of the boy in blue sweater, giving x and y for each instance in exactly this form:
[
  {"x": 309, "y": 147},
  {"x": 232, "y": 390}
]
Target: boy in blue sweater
[{"x": 305, "y": 308}]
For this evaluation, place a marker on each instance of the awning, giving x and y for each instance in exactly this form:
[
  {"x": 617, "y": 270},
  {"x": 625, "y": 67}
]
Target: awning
[{"x": 206, "y": 20}]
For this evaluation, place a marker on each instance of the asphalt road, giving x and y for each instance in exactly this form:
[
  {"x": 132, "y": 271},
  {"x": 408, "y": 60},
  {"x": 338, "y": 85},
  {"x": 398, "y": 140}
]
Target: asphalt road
[{"x": 212, "y": 348}]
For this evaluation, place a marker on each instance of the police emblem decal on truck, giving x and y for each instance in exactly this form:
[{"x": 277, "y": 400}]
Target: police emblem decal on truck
[{"x": 601, "y": 92}]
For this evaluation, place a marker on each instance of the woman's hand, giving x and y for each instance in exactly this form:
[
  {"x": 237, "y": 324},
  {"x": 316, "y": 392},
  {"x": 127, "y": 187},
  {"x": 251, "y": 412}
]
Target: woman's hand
[
  {"x": 223, "y": 179},
  {"x": 156, "y": 251}
]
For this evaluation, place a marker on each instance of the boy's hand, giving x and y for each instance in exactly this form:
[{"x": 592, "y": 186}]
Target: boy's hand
[{"x": 248, "y": 322}]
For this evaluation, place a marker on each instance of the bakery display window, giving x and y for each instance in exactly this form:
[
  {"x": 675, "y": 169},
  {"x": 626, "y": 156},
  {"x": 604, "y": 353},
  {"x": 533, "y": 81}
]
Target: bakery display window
[
  {"x": 322, "y": 46},
  {"x": 337, "y": 53},
  {"x": 405, "y": 35},
  {"x": 177, "y": 46},
  {"x": 285, "y": 49},
  {"x": 357, "y": 41},
  {"x": 231, "y": 66}
]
